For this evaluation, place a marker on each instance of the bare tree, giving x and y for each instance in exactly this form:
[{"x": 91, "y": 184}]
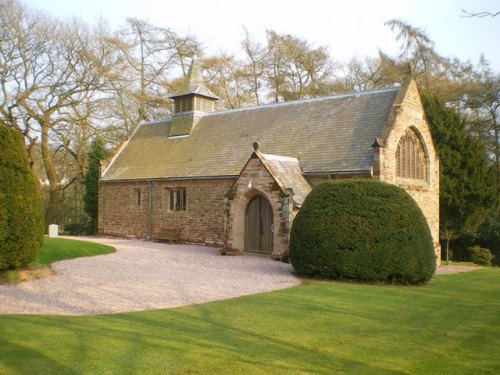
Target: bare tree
[
  {"x": 418, "y": 49},
  {"x": 254, "y": 66},
  {"x": 448, "y": 235},
  {"x": 483, "y": 100},
  {"x": 434, "y": 73},
  {"x": 51, "y": 71},
  {"x": 150, "y": 55},
  {"x": 226, "y": 78},
  {"x": 295, "y": 69},
  {"x": 466, "y": 13},
  {"x": 371, "y": 73}
]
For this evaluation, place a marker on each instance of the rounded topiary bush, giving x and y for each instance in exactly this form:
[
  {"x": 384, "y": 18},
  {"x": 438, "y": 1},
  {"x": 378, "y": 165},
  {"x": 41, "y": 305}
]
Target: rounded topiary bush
[
  {"x": 362, "y": 230},
  {"x": 21, "y": 213}
]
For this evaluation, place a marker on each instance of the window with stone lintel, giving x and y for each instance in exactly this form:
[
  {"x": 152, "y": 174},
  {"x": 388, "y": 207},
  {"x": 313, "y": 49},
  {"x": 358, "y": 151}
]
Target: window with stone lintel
[{"x": 174, "y": 199}]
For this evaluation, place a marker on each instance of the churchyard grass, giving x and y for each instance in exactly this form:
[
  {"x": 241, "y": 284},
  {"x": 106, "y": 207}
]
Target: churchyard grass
[
  {"x": 450, "y": 326},
  {"x": 53, "y": 250}
]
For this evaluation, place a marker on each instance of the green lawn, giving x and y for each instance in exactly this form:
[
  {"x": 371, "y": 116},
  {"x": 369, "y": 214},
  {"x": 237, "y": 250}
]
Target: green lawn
[
  {"x": 450, "y": 326},
  {"x": 55, "y": 249}
]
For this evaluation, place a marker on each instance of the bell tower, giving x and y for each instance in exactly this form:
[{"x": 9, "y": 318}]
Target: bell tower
[{"x": 190, "y": 102}]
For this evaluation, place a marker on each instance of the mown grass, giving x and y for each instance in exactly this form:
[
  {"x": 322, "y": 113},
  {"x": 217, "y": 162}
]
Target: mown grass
[
  {"x": 53, "y": 250},
  {"x": 56, "y": 249},
  {"x": 450, "y": 326}
]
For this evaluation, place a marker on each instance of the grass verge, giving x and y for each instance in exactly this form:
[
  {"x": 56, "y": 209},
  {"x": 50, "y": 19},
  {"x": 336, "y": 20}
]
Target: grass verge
[
  {"x": 53, "y": 250},
  {"x": 56, "y": 249},
  {"x": 447, "y": 327}
]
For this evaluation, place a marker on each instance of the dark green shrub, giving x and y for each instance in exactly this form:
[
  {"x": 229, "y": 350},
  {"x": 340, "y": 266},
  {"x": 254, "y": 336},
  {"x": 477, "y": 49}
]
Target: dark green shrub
[
  {"x": 79, "y": 229},
  {"x": 362, "y": 230},
  {"x": 21, "y": 213},
  {"x": 97, "y": 153},
  {"x": 480, "y": 255}
]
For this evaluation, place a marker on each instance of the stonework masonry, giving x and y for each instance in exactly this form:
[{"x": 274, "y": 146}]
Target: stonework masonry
[
  {"x": 255, "y": 179},
  {"x": 409, "y": 113},
  {"x": 121, "y": 214}
]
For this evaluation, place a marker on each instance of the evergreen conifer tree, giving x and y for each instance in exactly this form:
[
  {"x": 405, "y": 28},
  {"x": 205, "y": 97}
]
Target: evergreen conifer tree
[
  {"x": 467, "y": 182},
  {"x": 97, "y": 153},
  {"x": 21, "y": 211}
]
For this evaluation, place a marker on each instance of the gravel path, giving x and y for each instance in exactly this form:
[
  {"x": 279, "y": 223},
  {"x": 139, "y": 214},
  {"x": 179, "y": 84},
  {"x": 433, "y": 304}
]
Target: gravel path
[
  {"x": 448, "y": 269},
  {"x": 144, "y": 275}
]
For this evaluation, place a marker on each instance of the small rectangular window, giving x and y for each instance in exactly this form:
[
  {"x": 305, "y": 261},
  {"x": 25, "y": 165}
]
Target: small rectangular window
[
  {"x": 171, "y": 200},
  {"x": 137, "y": 197},
  {"x": 180, "y": 200},
  {"x": 175, "y": 199}
]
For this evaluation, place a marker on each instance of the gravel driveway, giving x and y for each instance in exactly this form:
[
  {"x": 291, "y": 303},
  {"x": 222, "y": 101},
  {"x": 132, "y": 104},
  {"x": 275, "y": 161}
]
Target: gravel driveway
[{"x": 144, "y": 275}]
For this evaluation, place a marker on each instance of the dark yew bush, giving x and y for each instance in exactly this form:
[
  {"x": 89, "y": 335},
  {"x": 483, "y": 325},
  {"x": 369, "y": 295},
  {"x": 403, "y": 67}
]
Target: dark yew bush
[
  {"x": 21, "y": 213},
  {"x": 362, "y": 230}
]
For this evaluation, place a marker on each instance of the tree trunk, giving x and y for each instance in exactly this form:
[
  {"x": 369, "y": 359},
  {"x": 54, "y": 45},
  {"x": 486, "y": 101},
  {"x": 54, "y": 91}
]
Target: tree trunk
[{"x": 52, "y": 208}]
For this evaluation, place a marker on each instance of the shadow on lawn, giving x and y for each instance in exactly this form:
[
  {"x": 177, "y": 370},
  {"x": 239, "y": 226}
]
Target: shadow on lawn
[
  {"x": 13, "y": 359},
  {"x": 203, "y": 339},
  {"x": 197, "y": 341}
]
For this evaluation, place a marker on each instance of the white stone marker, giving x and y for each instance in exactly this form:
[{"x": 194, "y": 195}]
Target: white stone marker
[{"x": 53, "y": 230}]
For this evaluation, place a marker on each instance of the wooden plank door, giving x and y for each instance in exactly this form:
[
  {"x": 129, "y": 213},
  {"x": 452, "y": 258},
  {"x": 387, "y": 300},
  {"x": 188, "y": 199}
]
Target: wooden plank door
[{"x": 259, "y": 226}]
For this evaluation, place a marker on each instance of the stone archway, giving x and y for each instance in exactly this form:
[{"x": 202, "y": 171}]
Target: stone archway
[
  {"x": 260, "y": 203},
  {"x": 238, "y": 226},
  {"x": 259, "y": 226}
]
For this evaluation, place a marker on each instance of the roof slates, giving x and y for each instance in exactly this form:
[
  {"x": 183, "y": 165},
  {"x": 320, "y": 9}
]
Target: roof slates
[{"x": 325, "y": 134}]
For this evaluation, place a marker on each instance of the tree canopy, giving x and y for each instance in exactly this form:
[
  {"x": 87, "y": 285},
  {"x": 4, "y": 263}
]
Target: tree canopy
[{"x": 467, "y": 184}]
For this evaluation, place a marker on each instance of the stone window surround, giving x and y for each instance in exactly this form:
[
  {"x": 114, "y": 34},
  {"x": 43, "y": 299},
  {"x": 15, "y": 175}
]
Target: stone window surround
[
  {"x": 137, "y": 197},
  {"x": 174, "y": 199},
  {"x": 413, "y": 134}
]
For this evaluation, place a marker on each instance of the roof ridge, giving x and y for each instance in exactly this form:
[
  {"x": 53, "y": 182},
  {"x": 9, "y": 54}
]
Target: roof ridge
[{"x": 303, "y": 101}]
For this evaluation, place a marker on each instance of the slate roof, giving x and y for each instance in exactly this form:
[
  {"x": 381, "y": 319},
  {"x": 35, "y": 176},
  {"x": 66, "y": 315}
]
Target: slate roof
[
  {"x": 287, "y": 171},
  {"x": 329, "y": 134}
]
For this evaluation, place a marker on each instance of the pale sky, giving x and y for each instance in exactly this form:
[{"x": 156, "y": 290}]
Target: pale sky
[{"x": 348, "y": 27}]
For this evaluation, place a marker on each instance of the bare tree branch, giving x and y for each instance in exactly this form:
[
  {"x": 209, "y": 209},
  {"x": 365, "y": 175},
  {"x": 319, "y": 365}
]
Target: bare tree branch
[{"x": 468, "y": 14}]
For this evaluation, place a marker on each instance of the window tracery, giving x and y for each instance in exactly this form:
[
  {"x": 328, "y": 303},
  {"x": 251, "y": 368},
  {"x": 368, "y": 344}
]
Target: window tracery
[{"x": 411, "y": 160}]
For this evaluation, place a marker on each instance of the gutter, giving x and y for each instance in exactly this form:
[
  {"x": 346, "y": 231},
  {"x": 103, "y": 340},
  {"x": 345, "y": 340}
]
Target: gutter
[
  {"x": 339, "y": 173},
  {"x": 160, "y": 179}
]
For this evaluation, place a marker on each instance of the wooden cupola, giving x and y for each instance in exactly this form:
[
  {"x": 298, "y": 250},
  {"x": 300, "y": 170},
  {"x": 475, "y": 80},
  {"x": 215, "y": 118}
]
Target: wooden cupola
[{"x": 190, "y": 102}]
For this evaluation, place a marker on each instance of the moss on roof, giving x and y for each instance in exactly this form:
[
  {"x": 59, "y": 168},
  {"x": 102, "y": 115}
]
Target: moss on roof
[{"x": 330, "y": 134}]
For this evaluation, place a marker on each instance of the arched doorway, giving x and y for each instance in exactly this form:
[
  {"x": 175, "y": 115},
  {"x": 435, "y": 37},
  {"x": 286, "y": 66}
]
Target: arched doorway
[{"x": 259, "y": 226}]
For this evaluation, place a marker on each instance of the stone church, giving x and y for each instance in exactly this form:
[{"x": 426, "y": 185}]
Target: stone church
[{"x": 236, "y": 178}]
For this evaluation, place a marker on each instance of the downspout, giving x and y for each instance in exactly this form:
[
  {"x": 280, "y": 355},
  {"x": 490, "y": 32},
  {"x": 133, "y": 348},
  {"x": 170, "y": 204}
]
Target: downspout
[
  {"x": 286, "y": 212},
  {"x": 226, "y": 214},
  {"x": 150, "y": 208}
]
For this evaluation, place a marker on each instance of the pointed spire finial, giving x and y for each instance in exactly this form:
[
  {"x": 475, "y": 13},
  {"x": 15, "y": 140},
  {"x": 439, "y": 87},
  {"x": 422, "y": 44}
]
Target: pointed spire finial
[
  {"x": 194, "y": 76},
  {"x": 194, "y": 83}
]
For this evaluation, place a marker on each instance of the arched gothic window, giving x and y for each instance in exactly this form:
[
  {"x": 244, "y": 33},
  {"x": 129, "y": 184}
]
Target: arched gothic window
[{"x": 411, "y": 160}]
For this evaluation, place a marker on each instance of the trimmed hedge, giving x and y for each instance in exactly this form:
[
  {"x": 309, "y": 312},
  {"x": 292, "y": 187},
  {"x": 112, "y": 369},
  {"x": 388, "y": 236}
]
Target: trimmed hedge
[
  {"x": 21, "y": 213},
  {"x": 362, "y": 230}
]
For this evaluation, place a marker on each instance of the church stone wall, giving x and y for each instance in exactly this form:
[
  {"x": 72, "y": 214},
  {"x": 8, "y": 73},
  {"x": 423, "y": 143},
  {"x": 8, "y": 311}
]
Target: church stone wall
[
  {"x": 253, "y": 180},
  {"x": 409, "y": 113},
  {"x": 202, "y": 222}
]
